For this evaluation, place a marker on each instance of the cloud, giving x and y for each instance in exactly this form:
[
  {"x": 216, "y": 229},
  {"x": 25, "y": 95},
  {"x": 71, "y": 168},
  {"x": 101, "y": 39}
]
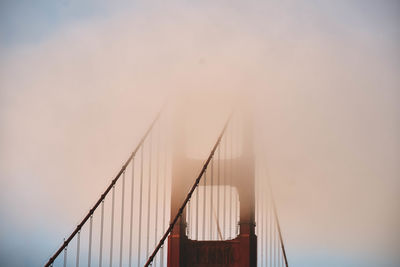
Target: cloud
[{"x": 324, "y": 78}]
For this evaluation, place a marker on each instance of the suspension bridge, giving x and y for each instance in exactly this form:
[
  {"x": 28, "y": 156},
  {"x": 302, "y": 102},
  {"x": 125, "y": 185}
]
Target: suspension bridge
[{"x": 164, "y": 208}]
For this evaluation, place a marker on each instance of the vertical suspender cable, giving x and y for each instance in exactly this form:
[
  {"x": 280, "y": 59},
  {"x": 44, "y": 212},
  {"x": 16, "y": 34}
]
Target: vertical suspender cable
[
  {"x": 65, "y": 256},
  {"x": 189, "y": 221},
  {"x": 148, "y": 197},
  {"x": 157, "y": 186},
  {"x": 270, "y": 234},
  {"x": 131, "y": 215},
  {"x": 230, "y": 182},
  {"x": 197, "y": 213},
  {"x": 280, "y": 253},
  {"x": 260, "y": 220},
  {"x": 121, "y": 243},
  {"x": 266, "y": 234},
  {"x": 237, "y": 213},
  {"x": 90, "y": 241},
  {"x": 266, "y": 227},
  {"x": 275, "y": 245},
  {"x": 204, "y": 204},
  {"x": 235, "y": 152},
  {"x": 269, "y": 254},
  {"x": 219, "y": 185},
  {"x": 140, "y": 205},
  {"x": 275, "y": 242},
  {"x": 264, "y": 239},
  {"x": 164, "y": 196},
  {"x": 273, "y": 239},
  {"x": 237, "y": 146},
  {"x": 257, "y": 215},
  {"x": 281, "y": 260},
  {"x": 261, "y": 208},
  {"x": 276, "y": 249},
  {"x": 78, "y": 244},
  {"x": 225, "y": 182},
  {"x": 211, "y": 200},
  {"x": 112, "y": 224},
  {"x": 101, "y": 233}
]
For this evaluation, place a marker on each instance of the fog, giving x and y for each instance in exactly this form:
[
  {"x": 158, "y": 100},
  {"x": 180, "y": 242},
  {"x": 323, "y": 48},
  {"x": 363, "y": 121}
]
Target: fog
[{"x": 78, "y": 90}]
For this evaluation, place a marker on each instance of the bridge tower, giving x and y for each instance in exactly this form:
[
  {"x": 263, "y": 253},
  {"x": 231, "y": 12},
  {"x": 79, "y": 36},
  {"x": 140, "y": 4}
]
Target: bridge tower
[
  {"x": 239, "y": 251},
  {"x": 198, "y": 234}
]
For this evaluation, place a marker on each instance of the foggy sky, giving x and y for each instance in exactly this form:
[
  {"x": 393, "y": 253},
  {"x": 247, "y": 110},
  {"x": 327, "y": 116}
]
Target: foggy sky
[{"x": 79, "y": 83}]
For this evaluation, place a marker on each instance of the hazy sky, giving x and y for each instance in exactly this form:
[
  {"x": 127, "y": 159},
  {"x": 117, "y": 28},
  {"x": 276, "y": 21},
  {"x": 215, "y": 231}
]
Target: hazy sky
[{"x": 80, "y": 81}]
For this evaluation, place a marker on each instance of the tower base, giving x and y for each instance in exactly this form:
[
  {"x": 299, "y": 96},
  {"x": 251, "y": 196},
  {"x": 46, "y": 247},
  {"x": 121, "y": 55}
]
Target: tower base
[{"x": 238, "y": 252}]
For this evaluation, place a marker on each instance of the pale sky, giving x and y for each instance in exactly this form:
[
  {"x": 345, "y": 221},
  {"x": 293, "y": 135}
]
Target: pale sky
[{"x": 80, "y": 81}]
